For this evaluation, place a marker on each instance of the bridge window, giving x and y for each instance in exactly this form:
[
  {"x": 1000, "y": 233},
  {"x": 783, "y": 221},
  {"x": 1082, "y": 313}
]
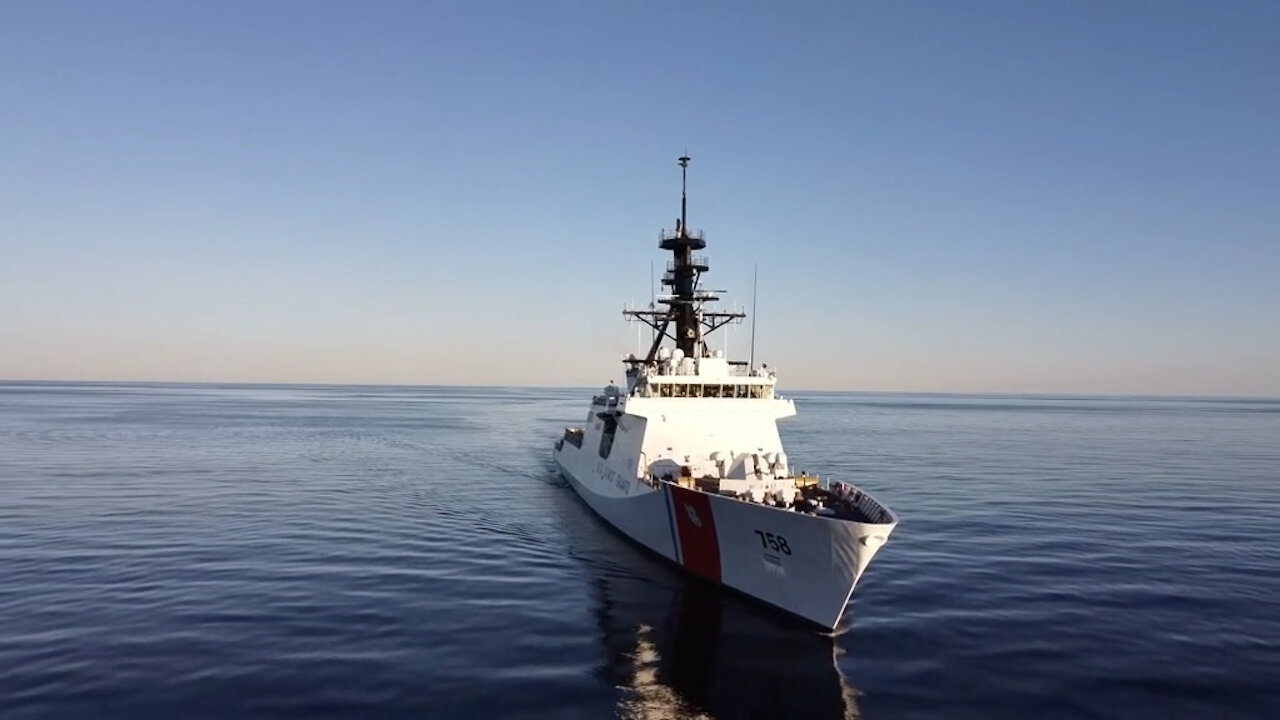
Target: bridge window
[{"x": 698, "y": 390}]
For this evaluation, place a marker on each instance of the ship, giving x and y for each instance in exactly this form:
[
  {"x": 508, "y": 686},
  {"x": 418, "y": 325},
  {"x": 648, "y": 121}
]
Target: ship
[{"x": 686, "y": 460}]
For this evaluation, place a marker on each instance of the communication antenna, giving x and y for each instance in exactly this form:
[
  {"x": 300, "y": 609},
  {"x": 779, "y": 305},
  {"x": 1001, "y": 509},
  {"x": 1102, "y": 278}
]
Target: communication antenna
[
  {"x": 684, "y": 186},
  {"x": 727, "y": 332},
  {"x": 639, "y": 333},
  {"x": 653, "y": 295},
  {"x": 755, "y": 282}
]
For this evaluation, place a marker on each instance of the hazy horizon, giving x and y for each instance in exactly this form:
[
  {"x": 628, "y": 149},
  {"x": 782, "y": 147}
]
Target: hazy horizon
[
  {"x": 591, "y": 388},
  {"x": 992, "y": 197}
]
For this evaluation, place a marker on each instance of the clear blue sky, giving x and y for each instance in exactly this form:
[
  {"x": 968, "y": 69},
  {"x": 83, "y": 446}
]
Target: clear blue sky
[{"x": 1044, "y": 196}]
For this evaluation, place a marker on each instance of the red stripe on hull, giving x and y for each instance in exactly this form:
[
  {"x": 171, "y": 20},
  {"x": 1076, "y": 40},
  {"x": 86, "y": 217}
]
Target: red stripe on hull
[{"x": 696, "y": 532}]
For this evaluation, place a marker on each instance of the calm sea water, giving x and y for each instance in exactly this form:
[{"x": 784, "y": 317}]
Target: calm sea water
[{"x": 390, "y": 551}]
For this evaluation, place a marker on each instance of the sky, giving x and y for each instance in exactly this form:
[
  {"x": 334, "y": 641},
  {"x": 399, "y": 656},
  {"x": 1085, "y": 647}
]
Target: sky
[{"x": 1055, "y": 197}]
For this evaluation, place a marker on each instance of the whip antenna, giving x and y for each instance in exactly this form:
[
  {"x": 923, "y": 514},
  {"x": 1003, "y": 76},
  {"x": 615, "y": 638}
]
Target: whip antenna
[
  {"x": 653, "y": 295},
  {"x": 755, "y": 281}
]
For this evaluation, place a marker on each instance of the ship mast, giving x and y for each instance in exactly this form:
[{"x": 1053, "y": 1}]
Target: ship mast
[
  {"x": 683, "y": 272},
  {"x": 684, "y": 302}
]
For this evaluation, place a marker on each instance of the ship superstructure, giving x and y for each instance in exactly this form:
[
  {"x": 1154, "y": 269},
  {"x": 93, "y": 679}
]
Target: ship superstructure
[{"x": 686, "y": 460}]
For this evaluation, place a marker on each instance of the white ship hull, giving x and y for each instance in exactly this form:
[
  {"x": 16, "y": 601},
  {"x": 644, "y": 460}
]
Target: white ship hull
[{"x": 806, "y": 565}]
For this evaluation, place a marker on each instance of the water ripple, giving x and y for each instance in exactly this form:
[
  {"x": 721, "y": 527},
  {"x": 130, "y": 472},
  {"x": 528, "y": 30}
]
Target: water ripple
[{"x": 307, "y": 551}]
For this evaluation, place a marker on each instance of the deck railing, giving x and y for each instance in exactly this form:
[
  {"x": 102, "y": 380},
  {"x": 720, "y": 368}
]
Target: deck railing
[
  {"x": 665, "y": 234},
  {"x": 698, "y": 260}
]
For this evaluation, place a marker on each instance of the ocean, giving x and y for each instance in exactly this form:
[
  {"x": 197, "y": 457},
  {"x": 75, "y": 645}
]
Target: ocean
[{"x": 188, "y": 550}]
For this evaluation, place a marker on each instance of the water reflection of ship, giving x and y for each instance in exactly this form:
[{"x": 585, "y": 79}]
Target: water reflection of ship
[{"x": 678, "y": 647}]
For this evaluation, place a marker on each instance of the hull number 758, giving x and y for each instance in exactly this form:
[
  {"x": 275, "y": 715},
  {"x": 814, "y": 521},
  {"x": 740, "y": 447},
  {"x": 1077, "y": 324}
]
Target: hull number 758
[{"x": 771, "y": 541}]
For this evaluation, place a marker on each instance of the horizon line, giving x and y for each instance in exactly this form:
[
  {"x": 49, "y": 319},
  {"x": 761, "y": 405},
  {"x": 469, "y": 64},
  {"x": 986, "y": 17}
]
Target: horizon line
[{"x": 1008, "y": 393}]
